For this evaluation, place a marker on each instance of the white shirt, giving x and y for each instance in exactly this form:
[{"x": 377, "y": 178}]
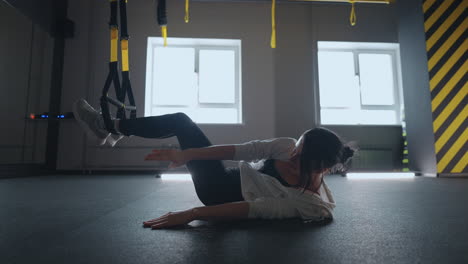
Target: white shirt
[{"x": 266, "y": 196}]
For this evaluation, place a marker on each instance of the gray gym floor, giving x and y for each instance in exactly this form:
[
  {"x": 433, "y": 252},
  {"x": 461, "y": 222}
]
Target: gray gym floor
[{"x": 98, "y": 219}]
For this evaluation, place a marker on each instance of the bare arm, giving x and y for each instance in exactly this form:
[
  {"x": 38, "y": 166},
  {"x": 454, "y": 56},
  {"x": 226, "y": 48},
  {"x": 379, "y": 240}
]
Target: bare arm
[
  {"x": 179, "y": 158},
  {"x": 220, "y": 152},
  {"x": 227, "y": 211},
  {"x": 250, "y": 151}
]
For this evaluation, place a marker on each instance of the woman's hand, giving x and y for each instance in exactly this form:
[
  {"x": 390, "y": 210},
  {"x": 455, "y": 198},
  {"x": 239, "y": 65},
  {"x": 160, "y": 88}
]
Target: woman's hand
[
  {"x": 171, "y": 219},
  {"x": 176, "y": 157}
]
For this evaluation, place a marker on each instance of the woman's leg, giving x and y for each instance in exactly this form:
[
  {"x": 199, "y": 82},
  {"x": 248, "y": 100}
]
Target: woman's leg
[{"x": 212, "y": 182}]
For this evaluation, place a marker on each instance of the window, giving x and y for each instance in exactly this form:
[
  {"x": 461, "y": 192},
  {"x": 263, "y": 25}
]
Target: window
[
  {"x": 358, "y": 83},
  {"x": 200, "y": 77}
]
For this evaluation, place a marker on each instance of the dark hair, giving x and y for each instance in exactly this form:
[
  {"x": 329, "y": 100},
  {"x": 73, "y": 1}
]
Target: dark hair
[{"x": 322, "y": 149}]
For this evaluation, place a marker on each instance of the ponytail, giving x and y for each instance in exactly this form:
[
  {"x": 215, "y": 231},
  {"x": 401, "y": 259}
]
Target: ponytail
[{"x": 346, "y": 154}]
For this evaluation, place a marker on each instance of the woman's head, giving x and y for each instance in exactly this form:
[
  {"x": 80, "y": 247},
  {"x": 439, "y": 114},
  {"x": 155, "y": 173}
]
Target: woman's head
[{"x": 319, "y": 150}]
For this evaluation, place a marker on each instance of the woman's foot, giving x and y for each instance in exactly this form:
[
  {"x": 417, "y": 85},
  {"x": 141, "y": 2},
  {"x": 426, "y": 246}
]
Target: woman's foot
[
  {"x": 90, "y": 120},
  {"x": 112, "y": 139}
]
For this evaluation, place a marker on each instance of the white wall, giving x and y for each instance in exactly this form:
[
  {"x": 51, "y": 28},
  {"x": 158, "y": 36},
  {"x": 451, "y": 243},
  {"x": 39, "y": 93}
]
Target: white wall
[
  {"x": 86, "y": 69},
  {"x": 300, "y": 26},
  {"x": 278, "y": 85},
  {"x": 25, "y": 64}
]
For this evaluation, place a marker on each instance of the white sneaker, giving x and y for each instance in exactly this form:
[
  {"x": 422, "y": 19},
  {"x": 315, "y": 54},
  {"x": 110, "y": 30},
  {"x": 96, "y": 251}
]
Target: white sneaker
[
  {"x": 89, "y": 120},
  {"x": 112, "y": 139}
]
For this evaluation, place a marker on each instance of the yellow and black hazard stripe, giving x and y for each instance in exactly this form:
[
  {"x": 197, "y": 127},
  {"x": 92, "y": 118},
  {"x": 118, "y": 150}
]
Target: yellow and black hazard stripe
[{"x": 446, "y": 27}]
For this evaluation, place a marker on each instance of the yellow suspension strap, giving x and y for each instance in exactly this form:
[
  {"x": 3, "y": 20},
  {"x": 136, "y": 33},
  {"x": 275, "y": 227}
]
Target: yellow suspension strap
[
  {"x": 352, "y": 16},
  {"x": 273, "y": 24},
  {"x": 114, "y": 30},
  {"x": 186, "y": 18},
  {"x": 113, "y": 76},
  {"x": 162, "y": 19}
]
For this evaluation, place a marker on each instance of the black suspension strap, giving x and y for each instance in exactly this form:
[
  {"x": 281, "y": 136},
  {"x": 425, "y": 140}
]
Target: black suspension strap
[
  {"x": 113, "y": 76},
  {"x": 126, "y": 85},
  {"x": 162, "y": 17}
]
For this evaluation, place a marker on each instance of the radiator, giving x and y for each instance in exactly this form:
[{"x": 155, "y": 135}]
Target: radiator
[{"x": 373, "y": 159}]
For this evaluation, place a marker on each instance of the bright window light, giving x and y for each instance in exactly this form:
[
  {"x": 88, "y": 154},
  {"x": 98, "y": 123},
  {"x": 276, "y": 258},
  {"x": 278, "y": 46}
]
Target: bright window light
[
  {"x": 217, "y": 83},
  {"x": 380, "y": 175},
  {"x": 169, "y": 65},
  {"x": 337, "y": 80},
  {"x": 358, "y": 83},
  {"x": 176, "y": 177},
  {"x": 376, "y": 73},
  {"x": 378, "y": 117},
  {"x": 198, "y": 77}
]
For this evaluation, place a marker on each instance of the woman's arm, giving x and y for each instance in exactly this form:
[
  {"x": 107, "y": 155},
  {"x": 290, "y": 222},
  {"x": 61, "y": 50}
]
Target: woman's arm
[
  {"x": 180, "y": 157},
  {"x": 219, "y": 152},
  {"x": 227, "y": 211},
  {"x": 253, "y": 150}
]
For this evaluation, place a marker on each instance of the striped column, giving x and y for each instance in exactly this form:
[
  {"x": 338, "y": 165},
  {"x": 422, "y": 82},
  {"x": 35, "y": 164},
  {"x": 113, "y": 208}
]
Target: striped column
[{"x": 446, "y": 24}]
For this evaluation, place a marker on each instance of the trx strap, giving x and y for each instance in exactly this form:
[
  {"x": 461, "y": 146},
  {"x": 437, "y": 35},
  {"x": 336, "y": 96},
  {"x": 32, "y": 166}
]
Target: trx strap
[
  {"x": 273, "y": 24},
  {"x": 352, "y": 16},
  {"x": 121, "y": 91},
  {"x": 162, "y": 19},
  {"x": 186, "y": 18}
]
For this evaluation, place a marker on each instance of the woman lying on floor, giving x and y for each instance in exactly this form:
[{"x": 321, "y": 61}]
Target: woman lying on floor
[{"x": 285, "y": 182}]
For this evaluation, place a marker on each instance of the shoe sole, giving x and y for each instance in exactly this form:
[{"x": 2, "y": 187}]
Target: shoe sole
[
  {"x": 112, "y": 141},
  {"x": 85, "y": 126}
]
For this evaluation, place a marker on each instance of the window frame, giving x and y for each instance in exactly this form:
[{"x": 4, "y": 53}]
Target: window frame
[
  {"x": 197, "y": 44},
  {"x": 357, "y": 48}
]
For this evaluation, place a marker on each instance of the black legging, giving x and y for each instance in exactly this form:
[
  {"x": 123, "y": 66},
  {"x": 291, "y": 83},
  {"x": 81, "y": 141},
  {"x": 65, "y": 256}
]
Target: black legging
[{"x": 214, "y": 183}]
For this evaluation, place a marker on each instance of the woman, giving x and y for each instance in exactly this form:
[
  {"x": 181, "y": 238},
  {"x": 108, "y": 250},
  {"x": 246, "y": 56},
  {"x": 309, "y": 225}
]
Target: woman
[{"x": 285, "y": 181}]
